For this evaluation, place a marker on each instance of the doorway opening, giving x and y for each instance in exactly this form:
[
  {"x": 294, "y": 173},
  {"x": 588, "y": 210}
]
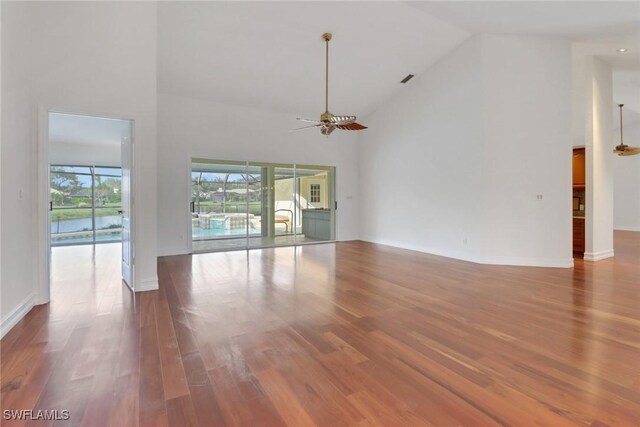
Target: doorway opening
[
  {"x": 89, "y": 200},
  {"x": 244, "y": 205},
  {"x": 579, "y": 201}
]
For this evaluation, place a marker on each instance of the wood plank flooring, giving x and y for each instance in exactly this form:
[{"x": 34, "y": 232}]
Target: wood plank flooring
[{"x": 347, "y": 334}]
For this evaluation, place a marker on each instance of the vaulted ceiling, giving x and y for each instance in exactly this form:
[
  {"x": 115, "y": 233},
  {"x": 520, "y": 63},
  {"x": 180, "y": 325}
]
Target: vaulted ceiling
[{"x": 270, "y": 54}]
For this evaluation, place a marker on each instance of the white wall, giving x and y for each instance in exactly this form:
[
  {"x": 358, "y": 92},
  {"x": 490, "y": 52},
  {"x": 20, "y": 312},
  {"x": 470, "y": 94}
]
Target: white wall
[
  {"x": 626, "y": 182},
  {"x": 453, "y": 164},
  {"x": 599, "y": 160},
  {"x": 579, "y": 91},
  {"x": 190, "y": 127},
  {"x": 17, "y": 293},
  {"x": 420, "y": 161},
  {"x": 527, "y": 151},
  {"x": 93, "y": 57}
]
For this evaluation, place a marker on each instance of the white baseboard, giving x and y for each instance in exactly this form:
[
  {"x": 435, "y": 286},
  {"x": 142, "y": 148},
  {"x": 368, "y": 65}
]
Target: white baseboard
[
  {"x": 529, "y": 262},
  {"x": 516, "y": 261},
  {"x": 625, "y": 228},
  {"x": 147, "y": 285},
  {"x": 431, "y": 251},
  {"x": 597, "y": 256},
  {"x": 11, "y": 319}
]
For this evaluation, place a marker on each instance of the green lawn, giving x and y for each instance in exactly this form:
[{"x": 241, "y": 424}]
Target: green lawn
[{"x": 78, "y": 213}]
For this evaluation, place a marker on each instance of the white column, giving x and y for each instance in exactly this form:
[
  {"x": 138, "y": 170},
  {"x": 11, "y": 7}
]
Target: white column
[{"x": 599, "y": 161}]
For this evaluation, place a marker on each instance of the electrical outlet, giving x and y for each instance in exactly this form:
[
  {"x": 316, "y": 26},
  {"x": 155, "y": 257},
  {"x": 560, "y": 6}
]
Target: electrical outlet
[{"x": 539, "y": 196}]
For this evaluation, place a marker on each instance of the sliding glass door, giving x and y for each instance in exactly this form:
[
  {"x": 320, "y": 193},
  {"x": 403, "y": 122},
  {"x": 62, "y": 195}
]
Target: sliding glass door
[
  {"x": 238, "y": 205},
  {"x": 85, "y": 204},
  {"x": 316, "y": 203}
]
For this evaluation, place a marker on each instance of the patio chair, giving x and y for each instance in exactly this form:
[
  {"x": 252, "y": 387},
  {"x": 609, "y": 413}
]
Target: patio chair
[{"x": 282, "y": 218}]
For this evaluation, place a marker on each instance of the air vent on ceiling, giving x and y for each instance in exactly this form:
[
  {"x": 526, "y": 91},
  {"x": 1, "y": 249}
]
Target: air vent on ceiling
[{"x": 406, "y": 79}]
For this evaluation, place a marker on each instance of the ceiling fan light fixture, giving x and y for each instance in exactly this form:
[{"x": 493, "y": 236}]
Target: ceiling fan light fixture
[
  {"x": 326, "y": 130},
  {"x": 623, "y": 149}
]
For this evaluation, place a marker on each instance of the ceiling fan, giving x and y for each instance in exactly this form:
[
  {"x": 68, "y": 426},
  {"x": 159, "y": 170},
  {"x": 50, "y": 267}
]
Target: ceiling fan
[
  {"x": 328, "y": 122},
  {"x": 623, "y": 149}
]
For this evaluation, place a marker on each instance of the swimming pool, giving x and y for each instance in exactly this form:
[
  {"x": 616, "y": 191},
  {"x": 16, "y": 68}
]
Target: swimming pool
[{"x": 198, "y": 233}]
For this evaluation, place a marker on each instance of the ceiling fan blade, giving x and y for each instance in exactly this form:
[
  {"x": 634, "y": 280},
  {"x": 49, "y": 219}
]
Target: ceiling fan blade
[
  {"x": 308, "y": 120},
  {"x": 351, "y": 126},
  {"x": 305, "y": 127},
  {"x": 343, "y": 120},
  {"x": 628, "y": 151}
]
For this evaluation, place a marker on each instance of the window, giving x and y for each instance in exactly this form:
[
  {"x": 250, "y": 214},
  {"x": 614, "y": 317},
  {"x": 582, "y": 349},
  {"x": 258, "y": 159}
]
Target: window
[
  {"x": 315, "y": 193},
  {"x": 85, "y": 204}
]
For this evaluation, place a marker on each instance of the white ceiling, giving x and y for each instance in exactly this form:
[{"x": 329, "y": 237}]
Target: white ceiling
[
  {"x": 597, "y": 28},
  {"x": 270, "y": 54},
  {"x": 584, "y": 21},
  {"x": 86, "y": 130},
  {"x": 626, "y": 90}
]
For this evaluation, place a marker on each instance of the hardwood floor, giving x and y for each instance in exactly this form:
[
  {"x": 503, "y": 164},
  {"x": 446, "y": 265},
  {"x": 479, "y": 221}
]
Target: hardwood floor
[{"x": 348, "y": 334}]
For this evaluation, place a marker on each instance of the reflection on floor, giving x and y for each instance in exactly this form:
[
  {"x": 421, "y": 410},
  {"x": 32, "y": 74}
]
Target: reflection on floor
[
  {"x": 338, "y": 334},
  {"x": 217, "y": 245},
  {"x": 86, "y": 275}
]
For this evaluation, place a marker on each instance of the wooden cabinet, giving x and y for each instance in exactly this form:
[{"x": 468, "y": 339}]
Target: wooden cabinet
[
  {"x": 579, "y": 181},
  {"x": 579, "y": 175},
  {"x": 578, "y": 235}
]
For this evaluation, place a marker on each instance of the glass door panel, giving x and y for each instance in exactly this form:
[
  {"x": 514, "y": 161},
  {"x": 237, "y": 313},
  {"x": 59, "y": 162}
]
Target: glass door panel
[
  {"x": 108, "y": 204},
  {"x": 285, "y": 206},
  {"x": 71, "y": 205},
  {"x": 276, "y": 204},
  {"x": 316, "y": 201},
  {"x": 256, "y": 222},
  {"x": 84, "y": 202},
  {"x": 220, "y": 206}
]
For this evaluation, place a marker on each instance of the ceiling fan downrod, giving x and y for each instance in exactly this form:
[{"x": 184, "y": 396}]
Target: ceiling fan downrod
[
  {"x": 621, "y": 140},
  {"x": 326, "y": 37},
  {"x": 328, "y": 122}
]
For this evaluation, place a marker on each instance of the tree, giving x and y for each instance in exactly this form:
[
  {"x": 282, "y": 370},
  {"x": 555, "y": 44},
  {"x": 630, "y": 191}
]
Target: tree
[{"x": 64, "y": 181}]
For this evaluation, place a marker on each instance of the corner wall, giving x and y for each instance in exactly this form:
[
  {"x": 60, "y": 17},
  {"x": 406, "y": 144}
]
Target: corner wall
[
  {"x": 420, "y": 161},
  {"x": 454, "y": 164},
  {"x": 527, "y": 153}
]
